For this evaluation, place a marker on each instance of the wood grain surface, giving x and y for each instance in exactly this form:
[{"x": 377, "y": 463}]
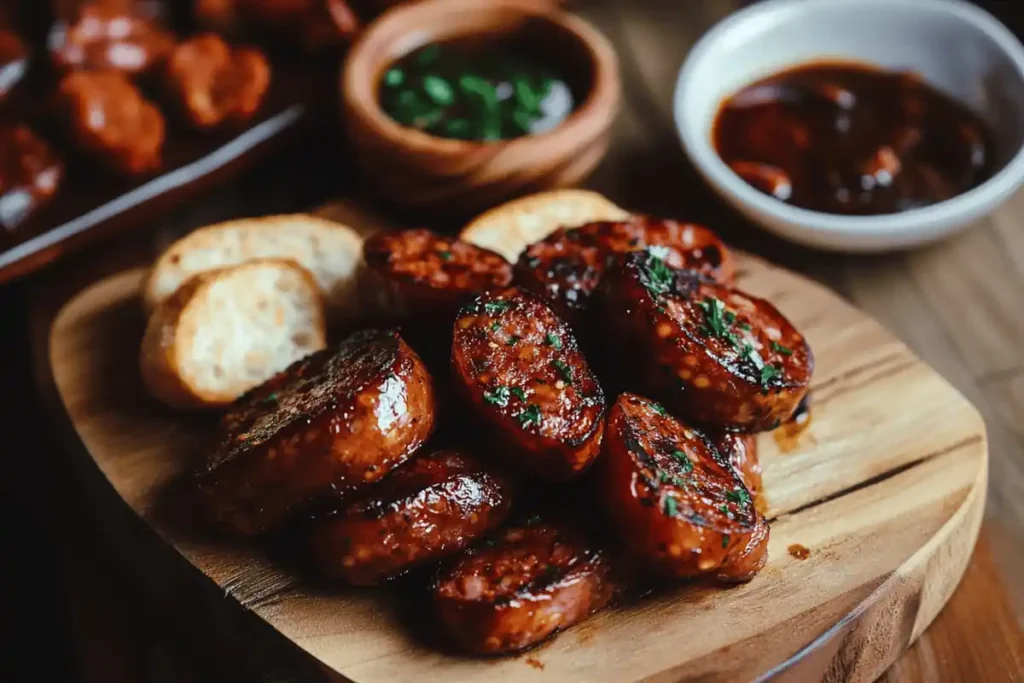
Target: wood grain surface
[
  {"x": 886, "y": 489},
  {"x": 119, "y": 637}
]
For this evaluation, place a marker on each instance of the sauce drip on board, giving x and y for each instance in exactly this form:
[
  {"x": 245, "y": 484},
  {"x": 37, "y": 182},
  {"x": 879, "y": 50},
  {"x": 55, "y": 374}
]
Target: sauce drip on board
[
  {"x": 847, "y": 138},
  {"x": 468, "y": 91}
]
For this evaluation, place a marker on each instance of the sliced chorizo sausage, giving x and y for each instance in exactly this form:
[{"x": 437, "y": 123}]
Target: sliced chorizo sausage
[
  {"x": 524, "y": 377},
  {"x": 214, "y": 84},
  {"x": 97, "y": 35},
  {"x": 674, "y": 499},
  {"x": 339, "y": 419},
  {"x": 713, "y": 354},
  {"x": 566, "y": 266},
  {"x": 434, "y": 506},
  {"x": 741, "y": 451},
  {"x": 521, "y": 587}
]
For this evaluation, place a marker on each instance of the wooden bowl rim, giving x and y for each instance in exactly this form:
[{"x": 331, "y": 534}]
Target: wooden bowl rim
[{"x": 416, "y": 25}]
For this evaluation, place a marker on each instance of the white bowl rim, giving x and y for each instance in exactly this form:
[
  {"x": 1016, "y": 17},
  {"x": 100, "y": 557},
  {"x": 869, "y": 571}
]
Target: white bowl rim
[{"x": 961, "y": 208}]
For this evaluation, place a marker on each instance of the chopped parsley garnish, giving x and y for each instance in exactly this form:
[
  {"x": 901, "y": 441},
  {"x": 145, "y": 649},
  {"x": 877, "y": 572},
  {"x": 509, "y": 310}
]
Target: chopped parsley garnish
[
  {"x": 684, "y": 459},
  {"x": 564, "y": 370},
  {"x": 496, "y": 307},
  {"x": 724, "y": 509},
  {"x": 740, "y": 496},
  {"x": 497, "y": 396},
  {"x": 725, "y": 540},
  {"x": 668, "y": 506},
  {"x": 656, "y": 276},
  {"x": 552, "y": 340},
  {"x": 659, "y": 409},
  {"x": 445, "y": 255},
  {"x": 529, "y": 415},
  {"x": 785, "y": 351},
  {"x": 715, "y": 316},
  {"x": 519, "y": 393},
  {"x": 749, "y": 353},
  {"x": 495, "y": 326},
  {"x": 768, "y": 373},
  {"x": 269, "y": 400},
  {"x": 512, "y": 340},
  {"x": 532, "y": 261}
]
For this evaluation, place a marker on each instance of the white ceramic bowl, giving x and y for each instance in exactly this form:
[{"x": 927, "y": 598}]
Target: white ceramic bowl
[{"x": 954, "y": 46}]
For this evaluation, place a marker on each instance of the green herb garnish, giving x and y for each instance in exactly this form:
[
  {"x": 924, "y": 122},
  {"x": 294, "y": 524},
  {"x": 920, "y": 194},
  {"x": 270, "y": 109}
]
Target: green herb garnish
[
  {"x": 668, "y": 506},
  {"x": 495, "y": 326},
  {"x": 512, "y": 340},
  {"x": 659, "y": 409},
  {"x": 552, "y": 339},
  {"x": 270, "y": 400},
  {"x": 438, "y": 90},
  {"x": 782, "y": 349},
  {"x": 497, "y": 396},
  {"x": 740, "y": 496},
  {"x": 529, "y": 415},
  {"x": 533, "y": 519},
  {"x": 394, "y": 78},
  {"x": 714, "y": 316},
  {"x": 445, "y": 255},
  {"x": 564, "y": 370},
  {"x": 684, "y": 460},
  {"x": 768, "y": 373},
  {"x": 656, "y": 276},
  {"x": 725, "y": 540},
  {"x": 496, "y": 307},
  {"x": 519, "y": 393}
]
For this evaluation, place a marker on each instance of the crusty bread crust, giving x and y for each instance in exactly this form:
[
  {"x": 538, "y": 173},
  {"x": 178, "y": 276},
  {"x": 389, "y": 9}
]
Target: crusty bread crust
[
  {"x": 169, "y": 361},
  {"x": 511, "y": 227},
  {"x": 330, "y": 251}
]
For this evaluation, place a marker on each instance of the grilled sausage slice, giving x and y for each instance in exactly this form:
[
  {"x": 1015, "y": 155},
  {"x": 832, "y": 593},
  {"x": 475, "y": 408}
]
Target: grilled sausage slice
[
  {"x": 336, "y": 420},
  {"x": 432, "y": 507},
  {"x": 741, "y": 451},
  {"x": 530, "y": 582},
  {"x": 420, "y": 279},
  {"x": 520, "y": 368},
  {"x": 566, "y": 266},
  {"x": 674, "y": 499},
  {"x": 713, "y": 354}
]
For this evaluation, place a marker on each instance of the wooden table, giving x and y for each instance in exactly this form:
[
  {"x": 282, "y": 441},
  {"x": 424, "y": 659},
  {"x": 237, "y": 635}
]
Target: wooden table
[{"x": 957, "y": 304}]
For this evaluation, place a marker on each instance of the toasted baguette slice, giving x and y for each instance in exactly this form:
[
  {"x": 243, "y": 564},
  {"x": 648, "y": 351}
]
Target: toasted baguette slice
[
  {"x": 511, "y": 227},
  {"x": 228, "y": 330},
  {"x": 330, "y": 251}
]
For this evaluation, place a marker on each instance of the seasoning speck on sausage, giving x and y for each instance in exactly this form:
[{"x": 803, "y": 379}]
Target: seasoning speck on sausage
[
  {"x": 528, "y": 583},
  {"x": 713, "y": 354},
  {"x": 520, "y": 368},
  {"x": 337, "y": 420},
  {"x": 434, "y": 506},
  {"x": 674, "y": 499}
]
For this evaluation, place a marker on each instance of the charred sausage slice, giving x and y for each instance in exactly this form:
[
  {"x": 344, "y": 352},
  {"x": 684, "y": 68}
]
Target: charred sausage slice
[
  {"x": 674, "y": 499},
  {"x": 523, "y": 375},
  {"x": 713, "y": 354},
  {"x": 429, "y": 508},
  {"x": 338, "y": 419},
  {"x": 566, "y": 266},
  {"x": 741, "y": 451},
  {"x": 528, "y": 583}
]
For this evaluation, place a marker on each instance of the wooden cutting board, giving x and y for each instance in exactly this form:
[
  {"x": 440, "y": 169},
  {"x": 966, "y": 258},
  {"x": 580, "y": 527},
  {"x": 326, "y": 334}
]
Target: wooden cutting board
[{"x": 885, "y": 488}]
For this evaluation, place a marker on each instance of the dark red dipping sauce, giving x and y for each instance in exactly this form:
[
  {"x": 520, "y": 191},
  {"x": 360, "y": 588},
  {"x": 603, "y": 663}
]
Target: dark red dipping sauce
[{"x": 848, "y": 138}]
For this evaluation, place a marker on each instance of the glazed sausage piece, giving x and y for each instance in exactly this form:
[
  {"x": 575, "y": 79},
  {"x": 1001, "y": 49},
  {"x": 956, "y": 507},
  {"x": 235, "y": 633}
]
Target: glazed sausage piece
[
  {"x": 713, "y": 354},
  {"x": 109, "y": 119},
  {"x": 336, "y": 420},
  {"x": 30, "y": 173},
  {"x": 315, "y": 24},
  {"x": 13, "y": 60},
  {"x": 522, "y": 373},
  {"x": 674, "y": 499},
  {"x": 528, "y": 583},
  {"x": 422, "y": 278},
  {"x": 104, "y": 35},
  {"x": 430, "y": 508},
  {"x": 566, "y": 266},
  {"x": 741, "y": 451},
  {"x": 214, "y": 84}
]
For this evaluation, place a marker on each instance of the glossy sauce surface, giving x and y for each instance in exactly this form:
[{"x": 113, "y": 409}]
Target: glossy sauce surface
[{"x": 846, "y": 138}]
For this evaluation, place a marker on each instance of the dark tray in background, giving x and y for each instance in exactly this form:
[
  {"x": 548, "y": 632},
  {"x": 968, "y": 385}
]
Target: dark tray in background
[{"x": 92, "y": 202}]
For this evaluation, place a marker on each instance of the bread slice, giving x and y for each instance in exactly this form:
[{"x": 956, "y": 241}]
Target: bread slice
[
  {"x": 330, "y": 251},
  {"x": 511, "y": 227},
  {"x": 226, "y": 331}
]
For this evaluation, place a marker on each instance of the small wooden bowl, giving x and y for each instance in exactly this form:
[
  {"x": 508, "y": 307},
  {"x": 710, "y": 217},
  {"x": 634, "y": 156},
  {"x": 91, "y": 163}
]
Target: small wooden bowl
[{"x": 417, "y": 171}]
